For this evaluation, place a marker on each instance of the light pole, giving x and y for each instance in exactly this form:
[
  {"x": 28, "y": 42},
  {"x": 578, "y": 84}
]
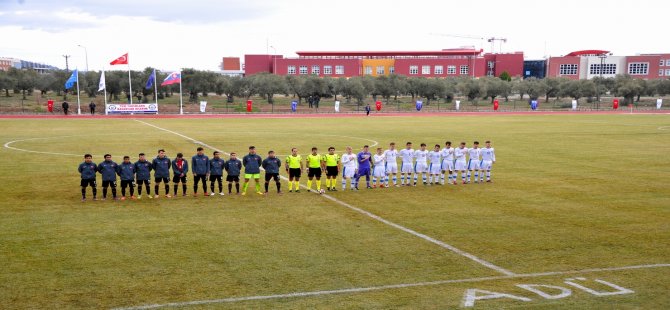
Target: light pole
[
  {"x": 85, "y": 54},
  {"x": 274, "y": 60},
  {"x": 602, "y": 68}
]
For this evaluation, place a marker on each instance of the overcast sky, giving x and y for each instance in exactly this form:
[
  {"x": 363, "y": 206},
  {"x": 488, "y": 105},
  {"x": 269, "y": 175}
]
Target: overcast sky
[{"x": 197, "y": 34}]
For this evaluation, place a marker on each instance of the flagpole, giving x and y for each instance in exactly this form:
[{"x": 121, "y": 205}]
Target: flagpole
[
  {"x": 156, "y": 88},
  {"x": 181, "y": 105},
  {"x": 78, "y": 102},
  {"x": 130, "y": 84},
  {"x": 105, "y": 89}
]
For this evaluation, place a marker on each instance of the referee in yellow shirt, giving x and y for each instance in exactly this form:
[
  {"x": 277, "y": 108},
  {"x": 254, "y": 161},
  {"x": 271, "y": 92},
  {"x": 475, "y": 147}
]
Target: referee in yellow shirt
[
  {"x": 294, "y": 167},
  {"x": 314, "y": 167},
  {"x": 332, "y": 168}
]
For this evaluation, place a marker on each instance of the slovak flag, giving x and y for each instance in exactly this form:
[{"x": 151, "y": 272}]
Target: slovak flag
[
  {"x": 172, "y": 78},
  {"x": 123, "y": 60}
]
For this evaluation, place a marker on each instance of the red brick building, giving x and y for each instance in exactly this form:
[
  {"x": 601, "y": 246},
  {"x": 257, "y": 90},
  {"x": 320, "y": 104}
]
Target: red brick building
[
  {"x": 588, "y": 64},
  {"x": 443, "y": 63}
]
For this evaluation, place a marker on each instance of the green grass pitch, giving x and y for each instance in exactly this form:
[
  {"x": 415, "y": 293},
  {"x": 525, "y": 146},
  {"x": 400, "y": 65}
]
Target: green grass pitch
[{"x": 574, "y": 196}]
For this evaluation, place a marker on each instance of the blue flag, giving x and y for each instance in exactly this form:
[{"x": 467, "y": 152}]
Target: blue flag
[
  {"x": 152, "y": 80},
  {"x": 73, "y": 78}
]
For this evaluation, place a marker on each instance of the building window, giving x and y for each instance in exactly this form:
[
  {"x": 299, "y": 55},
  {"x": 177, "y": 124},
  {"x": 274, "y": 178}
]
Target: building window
[
  {"x": 316, "y": 70},
  {"x": 638, "y": 68},
  {"x": 451, "y": 69},
  {"x": 391, "y": 70},
  {"x": 303, "y": 69},
  {"x": 380, "y": 70},
  {"x": 607, "y": 69},
  {"x": 425, "y": 69},
  {"x": 567, "y": 69},
  {"x": 339, "y": 69},
  {"x": 367, "y": 70},
  {"x": 439, "y": 70},
  {"x": 667, "y": 72},
  {"x": 413, "y": 69},
  {"x": 660, "y": 72},
  {"x": 490, "y": 64},
  {"x": 291, "y": 69},
  {"x": 662, "y": 63},
  {"x": 327, "y": 69},
  {"x": 667, "y": 62},
  {"x": 465, "y": 70}
]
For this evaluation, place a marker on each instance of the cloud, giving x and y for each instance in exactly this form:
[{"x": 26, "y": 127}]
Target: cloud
[{"x": 43, "y": 14}]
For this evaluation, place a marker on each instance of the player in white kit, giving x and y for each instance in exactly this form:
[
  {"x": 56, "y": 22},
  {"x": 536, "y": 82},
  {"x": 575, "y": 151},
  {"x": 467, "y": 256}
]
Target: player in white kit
[
  {"x": 461, "y": 164},
  {"x": 349, "y": 168},
  {"x": 379, "y": 169},
  {"x": 407, "y": 167},
  {"x": 421, "y": 165},
  {"x": 435, "y": 165},
  {"x": 448, "y": 163},
  {"x": 473, "y": 164},
  {"x": 391, "y": 164},
  {"x": 488, "y": 158}
]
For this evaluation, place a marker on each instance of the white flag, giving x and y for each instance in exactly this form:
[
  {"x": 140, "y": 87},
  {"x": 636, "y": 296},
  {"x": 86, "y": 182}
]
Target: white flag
[
  {"x": 101, "y": 85},
  {"x": 203, "y": 106}
]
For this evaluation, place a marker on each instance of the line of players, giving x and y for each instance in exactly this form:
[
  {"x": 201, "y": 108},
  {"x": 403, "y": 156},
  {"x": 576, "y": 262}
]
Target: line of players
[{"x": 433, "y": 166}]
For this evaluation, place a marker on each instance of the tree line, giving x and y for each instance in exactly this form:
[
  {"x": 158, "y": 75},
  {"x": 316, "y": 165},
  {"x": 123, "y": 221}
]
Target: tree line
[{"x": 197, "y": 83}]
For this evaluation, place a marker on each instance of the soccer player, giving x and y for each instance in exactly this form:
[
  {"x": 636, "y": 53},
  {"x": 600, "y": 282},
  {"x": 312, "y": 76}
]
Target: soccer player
[
  {"x": 333, "y": 167},
  {"x": 252, "y": 169},
  {"x": 407, "y": 167},
  {"x": 87, "y": 169},
  {"x": 233, "y": 168},
  {"x": 364, "y": 164},
  {"x": 271, "y": 166},
  {"x": 461, "y": 165},
  {"x": 448, "y": 163},
  {"x": 180, "y": 171},
  {"x": 421, "y": 165},
  {"x": 391, "y": 164},
  {"x": 488, "y": 158},
  {"x": 126, "y": 171},
  {"x": 143, "y": 175},
  {"x": 435, "y": 165},
  {"x": 200, "y": 168},
  {"x": 294, "y": 168},
  {"x": 349, "y": 168},
  {"x": 379, "y": 170},
  {"x": 216, "y": 173},
  {"x": 108, "y": 170},
  {"x": 161, "y": 166},
  {"x": 473, "y": 165},
  {"x": 314, "y": 168}
]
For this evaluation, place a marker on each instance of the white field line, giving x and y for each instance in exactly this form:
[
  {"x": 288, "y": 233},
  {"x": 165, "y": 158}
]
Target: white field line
[
  {"x": 384, "y": 287},
  {"x": 373, "y": 216},
  {"x": 8, "y": 145}
]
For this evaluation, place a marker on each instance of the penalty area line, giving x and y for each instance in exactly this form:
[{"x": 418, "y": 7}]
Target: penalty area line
[
  {"x": 371, "y": 215},
  {"x": 384, "y": 287}
]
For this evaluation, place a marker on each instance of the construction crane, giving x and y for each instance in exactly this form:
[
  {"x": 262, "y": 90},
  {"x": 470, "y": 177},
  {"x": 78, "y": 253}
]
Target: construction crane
[{"x": 493, "y": 40}]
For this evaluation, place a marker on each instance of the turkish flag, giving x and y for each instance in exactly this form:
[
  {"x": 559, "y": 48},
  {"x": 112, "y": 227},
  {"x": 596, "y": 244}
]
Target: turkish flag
[{"x": 123, "y": 60}]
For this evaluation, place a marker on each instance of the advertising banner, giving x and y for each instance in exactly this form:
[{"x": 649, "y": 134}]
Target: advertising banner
[{"x": 124, "y": 108}]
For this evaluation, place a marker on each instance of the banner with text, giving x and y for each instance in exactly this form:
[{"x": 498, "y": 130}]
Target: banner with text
[{"x": 123, "y": 108}]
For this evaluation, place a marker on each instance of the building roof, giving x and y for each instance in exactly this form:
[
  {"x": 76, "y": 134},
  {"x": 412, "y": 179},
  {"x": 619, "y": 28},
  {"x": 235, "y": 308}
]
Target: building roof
[
  {"x": 587, "y": 52},
  {"x": 445, "y": 52}
]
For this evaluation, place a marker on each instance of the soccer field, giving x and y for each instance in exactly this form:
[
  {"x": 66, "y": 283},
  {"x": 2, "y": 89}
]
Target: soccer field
[{"x": 579, "y": 210}]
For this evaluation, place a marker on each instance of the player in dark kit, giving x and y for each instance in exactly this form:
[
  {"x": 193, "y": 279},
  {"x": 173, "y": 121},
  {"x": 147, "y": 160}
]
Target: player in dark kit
[
  {"x": 271, "y": 166},
  {"x": 143, "y": 175},
  {"x": 180, "y": 170},
  {"x": 87, "y": 169},
  {"x": 126, "y": 171},
  {"x": 108, "y": 170},
  {"x": 216, "y": 172},
  {"x": 161, "y": 166},
  {"x": 233, "y": 167},
  {"x": 200, "y": 168}
]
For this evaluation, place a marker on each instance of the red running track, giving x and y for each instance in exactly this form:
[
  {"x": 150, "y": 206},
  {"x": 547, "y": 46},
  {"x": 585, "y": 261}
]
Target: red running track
[{"x": 324, "y": 115}]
